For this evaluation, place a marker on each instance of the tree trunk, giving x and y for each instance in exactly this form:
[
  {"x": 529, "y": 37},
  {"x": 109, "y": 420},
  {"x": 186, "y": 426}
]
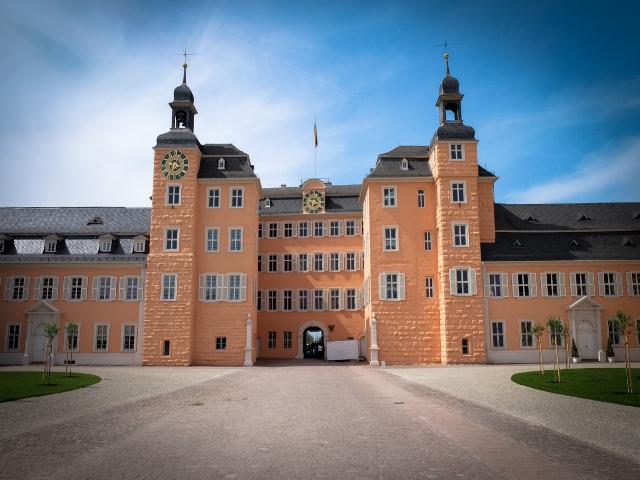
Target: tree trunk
[
  {"x": 627, "y": 365},
  {"x": 566, "y": 352},
  {"x": 540, "y": 356},
  {"x": 557, "y": 363}
]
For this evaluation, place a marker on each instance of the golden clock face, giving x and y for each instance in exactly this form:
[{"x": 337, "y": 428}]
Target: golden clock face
[
  {"x": 174, "y": 165},
  {"x": 313, "y": 202}
]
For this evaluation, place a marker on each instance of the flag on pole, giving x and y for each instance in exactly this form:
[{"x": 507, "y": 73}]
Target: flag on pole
[{"x": 315, "y": 133}]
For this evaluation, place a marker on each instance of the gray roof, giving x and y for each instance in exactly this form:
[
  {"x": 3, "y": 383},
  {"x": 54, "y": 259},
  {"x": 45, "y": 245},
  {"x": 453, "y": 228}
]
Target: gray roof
[
  {"x": 568, "y": 216},
  {"x": 221, "y": 150},
  {"x": 288, "y": 200},
  {"x": 454, "y": 130},
  {"x": 407, "y": 151},
  {"x": 235, "y": 167},
  {"x": 74, "y": 220},
  {"x": 181, "y": 137},
  {"x": 560, "y": 246}
]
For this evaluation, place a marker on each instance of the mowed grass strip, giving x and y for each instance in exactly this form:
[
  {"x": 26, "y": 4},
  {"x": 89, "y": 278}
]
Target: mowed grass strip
[
  {"x": 17, "y": 385},
  {"x": 601, "y": 384}
]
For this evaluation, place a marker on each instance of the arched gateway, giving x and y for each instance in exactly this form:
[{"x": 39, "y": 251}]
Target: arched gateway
[{"x": 310, "y": 326}]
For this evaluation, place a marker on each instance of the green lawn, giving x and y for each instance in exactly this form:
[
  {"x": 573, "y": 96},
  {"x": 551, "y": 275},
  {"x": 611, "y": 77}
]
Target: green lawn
[
  {"x": 601, "y": 384},
  {"x": 16, "y": 385}
]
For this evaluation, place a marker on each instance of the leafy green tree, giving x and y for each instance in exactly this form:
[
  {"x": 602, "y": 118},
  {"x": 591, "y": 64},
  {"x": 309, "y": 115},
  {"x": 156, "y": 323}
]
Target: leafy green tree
[
  {"x": 537, "y": 330},
  {"x": 51, "y": 330},
  {"x": 556, "y": 328},
  {"x": 574, "y": 349},
  {"x": 622, "y": 326}
]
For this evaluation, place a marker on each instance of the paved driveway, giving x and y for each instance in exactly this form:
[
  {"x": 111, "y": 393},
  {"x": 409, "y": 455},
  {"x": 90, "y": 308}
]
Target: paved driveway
[{"x": 282, "y": 421}]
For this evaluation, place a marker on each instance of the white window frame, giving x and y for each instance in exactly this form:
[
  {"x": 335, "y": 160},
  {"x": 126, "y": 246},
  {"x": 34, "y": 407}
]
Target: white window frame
[
  {"x": 125, "y": 288},
  {"x": 455, "y": 236},
  {"x": 319, "y": 298},
  {"x": 616, "y": 284},
  {"x": 335, "y": 261},
  {"x": 166, "y": 239},
  {"x": 233, "y": 197},
  {"x": 169, "y": 194},
  {"x": 230, "y": 244},
  {"x": 65, "y": 331},
  {"x": 350, "y": 257},
  {"x": 272, "y": 307},
  {"x": 454, "y": 281},
  {"x": 458, "y": 150},
  {"x": 589, "y": 284},
  {"x": 389, "y": 196},
  {"x": 384, "y": 280},
  {"x": 456, "y": 191},
  {"x": 124, "y": 336},
  {"x": 98, "y": 288},
  {"x": 547, "y": 287},
  {"x": 427, "y": 241},
  {"x": 516, "y": 284},
  {"x": 323, "y": 230},
  {"x": 528, "y": 333},
  {"x": 221, "y": 343},
  {"x": 428, "y": 287},
  {"x": 8, "y": 337},
  {"x": 95, "y": 337},
  {"x": 70, "y": 288},
  {"x": 421, "y": 198},
  {"x": 394, "y": 242},
  {"x": 321, "y": 256},
  {"x": 303, "y": 296},
  {"x": 207, "y": 230},
  {"x": 39, "y": 288},
  {"x": 490, "y": 287},
  {"x": 350, "y": 228},
  {"x": 139, "y": 245},
  {"x": 50, "y": 245},
  {"x": 287, "y": 340},
  {"x": 303, "y": 262},
  {"x": 214, "y": 195},
  {"x": 350, "y": 296},
  {"x": 303, "y": 227},
  {"x": 241, "y": 287},
  {"x": 498, "y": 335},
  {"x": 633, "y": 284},
  {"x": 174, "y": 297}
]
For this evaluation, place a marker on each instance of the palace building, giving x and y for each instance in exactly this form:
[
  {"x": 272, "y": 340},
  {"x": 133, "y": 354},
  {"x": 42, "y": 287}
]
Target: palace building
[{"x": 416, "y": 264}]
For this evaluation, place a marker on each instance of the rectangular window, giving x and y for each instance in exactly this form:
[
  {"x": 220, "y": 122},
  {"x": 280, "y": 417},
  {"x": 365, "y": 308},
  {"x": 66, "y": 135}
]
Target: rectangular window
[
  {"x": 166, "y": 348},
  {"x": 48, "y": 288},
  {"x": 318, "y": 262},
  {"x": 427, "y": 241},
  {"x": 351, "y": 261},
  {"x": 102, "y": 338},
  {"x": 608, "y": 284},
  {"x": 350, "y": 297},
  {"x": 213, "y": 198},
  {"x": 391, "y": 286},
  {"x": 13, "y": 337},
  {"x": 273, "y": 300},
  {"x": 287, "y": 340},
  {"x": 303, "y": 300},
  {"x": 139, "y": 246},
  {"x": 526, "y": 334},
  {"x": 462, "y": 281},
  {"x": 458, "y": 193},
  {"x": 287, "y": 300},
  {"x": 303, "y": 229},
  {"x": 460, "y": 235},
  {"x": 17, "y": 288},
  {"x": 237, "y": 287},
  {"x": 334, "y": 228},
  {"x": 237, "y": 197},
  {"x": 129, "y": 338},
  {"x": 465, "y": 346},
  {"x": 50, "y": 246},
  {"x": 76, "y": 288},
  {"x": 614, "y": 336},
  {"x": 582, "y": 284},
  {"x": 303, "y": 262},
  {"x": 259, "y": 300},
  {"x": 210, "y": 288},
  {"x": 260, "y": 230},
  {"x": 390, "y": 239},
  {"x": 428, "y": 287},
  {"x": 213, "y": 240},
  {"x": 71, "y": 333},
  {"x": 171, "y": 239},
  {"x": 105, "y": 245},
  {"x": 235, "y": 239},
  {"x": 131, "y": 286},
  {"x": 288, "y": 230},
  {"x": 318, "y": 229},
  {"x": 104, "y": 288},
  {"x": 633, "y": 284},
  {"x": 169, "y": 283},
  {"x": 334, "y": 299},
  {"x": 524, "y": 284},
  {"x": 273, "y": 230},
  {"x": 497, "y": 334},
  {"x": 334, "y": 262},
  {"x": 221, "y": 343},
  {"x": 173, "y": 194},
  {"x": 496, "y": 285},
  {"x": 389, "y": 196},
  {"x": 552, "y": 284},
  {"x": 350, "y": 228},
  {"x": 420, "y": 198},
  {"x": 318, "y": 299},
  {"x": 456, "y": 152},
  {"x": 273, "y": 262},
  {"x": 287, "y": 262},
  {"x": 272, "y": 341}
]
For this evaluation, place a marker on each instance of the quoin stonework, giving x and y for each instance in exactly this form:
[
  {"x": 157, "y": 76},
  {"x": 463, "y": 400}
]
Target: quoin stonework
[{"x": 415, "y": 264}]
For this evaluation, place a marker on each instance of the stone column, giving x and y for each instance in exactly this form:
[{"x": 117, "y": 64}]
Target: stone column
[
  {"x": 248, "y": 348},
  {"x": 25, "y": 358},
  {"x": 374, "y": 341}
]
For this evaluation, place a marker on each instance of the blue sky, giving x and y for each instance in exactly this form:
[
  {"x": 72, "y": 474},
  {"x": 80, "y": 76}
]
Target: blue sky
[{"x": 552, "y": 89}]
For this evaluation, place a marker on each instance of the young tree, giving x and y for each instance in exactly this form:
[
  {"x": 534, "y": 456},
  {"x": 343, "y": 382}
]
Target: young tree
[
  {"x": 574, "y": 349},
  {"x": 70, "y": 333},
  {"x": 622, "y": 326},
  {"x": 537, "y": 330},
  {"x": 566, "y": 336},
  {"x": 51, "y": 331},
  {"x": 555, "y": 329}
]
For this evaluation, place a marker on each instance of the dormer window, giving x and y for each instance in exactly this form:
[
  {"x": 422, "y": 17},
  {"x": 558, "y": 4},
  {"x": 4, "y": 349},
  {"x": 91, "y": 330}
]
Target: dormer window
[
  {"x": 95, "y": 221},
  {"x": 50, "y": 244},
  {"x": 627, "y": 242},
  {"x": 404, "y": 164},
  {"x": 531, "y": 219},
  {"x": 574, "y": 244},
  {"x": 517, "y": 244},
  {"x": 105, "y": 245},
  {"x": 584, "y": 218},
  {"x": 221, "y": 163},
  {"x": 139, "y": 244},
  {"x": 637, "y": 217},
  {"x": 267, "y": 203}
]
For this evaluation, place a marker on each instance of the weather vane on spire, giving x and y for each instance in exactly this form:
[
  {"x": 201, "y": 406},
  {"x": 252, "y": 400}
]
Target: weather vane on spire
[
  {"x": 445, "y": 46},
  {"x": 184, "y": 65}
]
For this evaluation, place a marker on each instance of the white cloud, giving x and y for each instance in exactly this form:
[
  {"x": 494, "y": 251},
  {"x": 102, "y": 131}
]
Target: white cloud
[{"x": 612, "y": 172}]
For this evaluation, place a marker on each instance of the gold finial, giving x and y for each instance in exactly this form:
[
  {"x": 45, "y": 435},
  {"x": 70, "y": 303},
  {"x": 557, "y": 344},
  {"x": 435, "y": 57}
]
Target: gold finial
[
  {"x": 446, "y": 61},
  {"x": 184, "y": 75}
]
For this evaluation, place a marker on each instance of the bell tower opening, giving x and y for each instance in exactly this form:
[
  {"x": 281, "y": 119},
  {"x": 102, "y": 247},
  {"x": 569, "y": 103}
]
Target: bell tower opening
[{"x": 183, "y": 110}]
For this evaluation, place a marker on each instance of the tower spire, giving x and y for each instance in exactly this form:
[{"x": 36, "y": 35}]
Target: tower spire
[
  {"x": 446, "y": 61},
  {"x": 184, "y": 74}
]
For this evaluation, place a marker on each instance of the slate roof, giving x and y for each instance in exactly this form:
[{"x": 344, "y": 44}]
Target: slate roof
[
  {"x": 407, "y": 151},
  {"x": 235, "y": 167},
  {"x": 454, "y": 131},
  {"x": 221, "y": 149},
  {"x": 68, "y": 221},
  {"x": 558, "y": 246},
  {"x": 288, "y": 200},
  {"x": 567, "y": 216}
]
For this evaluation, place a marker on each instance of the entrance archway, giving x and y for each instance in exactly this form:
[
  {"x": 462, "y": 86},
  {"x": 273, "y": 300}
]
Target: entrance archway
[
  {"x": 584, "y": 316},
  {"x": 302, "y": 333},
  {"x": 313, "y": 343}
]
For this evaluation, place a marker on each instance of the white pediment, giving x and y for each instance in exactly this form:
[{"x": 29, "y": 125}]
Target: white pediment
[
  {"x": 585, "y": 302},
  {"x": 42, "y": 307}
]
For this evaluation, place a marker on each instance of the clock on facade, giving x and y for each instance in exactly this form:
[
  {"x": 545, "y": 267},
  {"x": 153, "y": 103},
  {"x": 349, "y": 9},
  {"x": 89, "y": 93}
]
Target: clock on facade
[
  {"x": 175, "y": 165},
  {"x": 313, "y": 202}
]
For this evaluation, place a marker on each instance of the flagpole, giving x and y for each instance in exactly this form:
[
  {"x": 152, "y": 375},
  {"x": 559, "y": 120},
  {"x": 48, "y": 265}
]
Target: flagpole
[{"x": 315, "y": 148}]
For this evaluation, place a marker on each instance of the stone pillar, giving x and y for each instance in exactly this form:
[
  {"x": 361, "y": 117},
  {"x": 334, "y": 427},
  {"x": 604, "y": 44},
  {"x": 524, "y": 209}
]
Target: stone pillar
[
  {"x": 25, "y": 358},
  {"x": 373, "y": 349},
  {"x": 248, "y": 348}
]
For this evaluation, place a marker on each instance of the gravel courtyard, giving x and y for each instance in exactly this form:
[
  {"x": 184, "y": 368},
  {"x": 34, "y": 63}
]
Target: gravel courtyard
[{"x": 314, "y": 420}]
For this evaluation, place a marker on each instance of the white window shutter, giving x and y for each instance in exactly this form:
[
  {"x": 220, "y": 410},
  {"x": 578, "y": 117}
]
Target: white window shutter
[
  {"x": 341, "y": 299},
  {"x": 140, "y": 288},
  {"x": 325, "y": 261},
  {"x": 452, "y": 281},
  {"x": 534, "y": 285},
  {"x": 514, "y": 284},
  {"x": 94, "y": 290},
  {"x": 294, "y": 300},
  {"x": 341, "y": 260},
  {"x": 112, "y": 289},
  {"x": 294, "y": 262},
  {"x": 243, "y": 287},
  {"x": 85, "y": 287},
  {"x": 487, "y": 286},
  {"x": 473, "y": 285},
  {"x": 401, "y": 289},
  {"x": 26, "y": 288},
  {"x": 543, "y": 282},
  {"x": 294, "y": 229},
  {"x": 280, "y": 261},
  {"x": 561, "y": 285},
  {"x": 591, "y": 287},
  {"x": 37, "y": 288},
  {"x": 630, "y": 285},
  {"x": 65, "y": 288},
  {"x": 8, "y": 288},
  {"x": 221, "y": 287},
  {"x": 123, "y": 288},
  {"x": 358, "y": 227},
  {"x": 54, "y": 294},
  {"x": 601, "y": 283},
  {"x": 618, "y": 284},
  {"x": 382, "y": 286},
  {"x": 504, "y": 284},
  {"x": 201, "y": 284},
  {"x": 325, "y": 299},
  {"x": 572, "y": 284},
  {"x": 359, "y": 299}
]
